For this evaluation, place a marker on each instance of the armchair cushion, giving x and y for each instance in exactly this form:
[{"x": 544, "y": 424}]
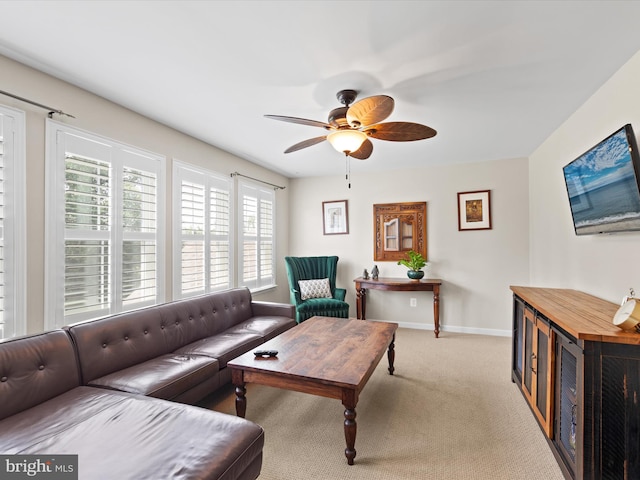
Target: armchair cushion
[
  {"x": 324, "y": 307},
  {"x": 318, "y": 288}
]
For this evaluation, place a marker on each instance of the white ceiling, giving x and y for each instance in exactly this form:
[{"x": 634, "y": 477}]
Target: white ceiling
[{"x": 494, "y": 78}]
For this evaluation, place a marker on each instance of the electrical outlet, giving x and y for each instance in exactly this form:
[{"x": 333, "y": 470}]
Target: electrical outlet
[{"x": 413, "y": 302}]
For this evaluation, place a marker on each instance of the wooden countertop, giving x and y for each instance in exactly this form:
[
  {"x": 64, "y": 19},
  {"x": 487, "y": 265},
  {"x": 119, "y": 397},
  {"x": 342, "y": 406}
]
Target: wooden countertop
[{"x": 582, "y": 315}]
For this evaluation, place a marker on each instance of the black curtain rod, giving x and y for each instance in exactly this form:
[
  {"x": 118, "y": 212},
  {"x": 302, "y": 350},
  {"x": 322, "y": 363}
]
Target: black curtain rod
[
  {"x": 276, "y": 187},
  {"x": 51, "y": 110}
]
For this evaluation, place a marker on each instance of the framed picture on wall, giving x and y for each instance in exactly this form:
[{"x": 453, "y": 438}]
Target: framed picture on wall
[
  {"x": 474, "y": 210},
  {"x": 335, "y": 217}
]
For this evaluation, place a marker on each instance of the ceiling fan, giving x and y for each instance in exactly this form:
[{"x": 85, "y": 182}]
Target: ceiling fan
[{"x": 351, "y": 126}]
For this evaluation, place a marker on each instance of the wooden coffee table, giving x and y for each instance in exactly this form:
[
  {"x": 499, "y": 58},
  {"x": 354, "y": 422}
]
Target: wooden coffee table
[{"x": 330, "y": 357}]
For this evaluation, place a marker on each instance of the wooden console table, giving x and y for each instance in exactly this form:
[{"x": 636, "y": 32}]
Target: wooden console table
[{"x": 399, "y": 285}]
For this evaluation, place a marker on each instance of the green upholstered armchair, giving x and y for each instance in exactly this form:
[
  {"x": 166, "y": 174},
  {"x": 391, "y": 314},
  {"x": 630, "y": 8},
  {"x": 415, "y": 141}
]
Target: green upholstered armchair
[{"x": 315, "y": 268}]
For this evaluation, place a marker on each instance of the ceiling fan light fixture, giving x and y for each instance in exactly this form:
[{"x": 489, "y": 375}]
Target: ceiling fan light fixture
[
  {"x": 351, "y": 126},
  {"x": 347, "y": 141}
]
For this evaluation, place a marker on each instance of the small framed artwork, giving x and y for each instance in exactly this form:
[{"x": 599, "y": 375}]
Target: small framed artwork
[
  {"x": 335, "y": 217},
  {"x": 474, "y": 210}
]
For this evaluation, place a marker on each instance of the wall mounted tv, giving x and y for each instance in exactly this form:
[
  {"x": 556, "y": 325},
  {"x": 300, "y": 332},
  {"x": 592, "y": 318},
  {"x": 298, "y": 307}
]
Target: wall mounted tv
[{"x": 602, "y": 184}]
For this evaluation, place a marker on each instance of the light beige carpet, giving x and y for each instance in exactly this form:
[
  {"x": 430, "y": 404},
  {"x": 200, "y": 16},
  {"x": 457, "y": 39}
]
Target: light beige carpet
[{"x": 450, "y": 411}]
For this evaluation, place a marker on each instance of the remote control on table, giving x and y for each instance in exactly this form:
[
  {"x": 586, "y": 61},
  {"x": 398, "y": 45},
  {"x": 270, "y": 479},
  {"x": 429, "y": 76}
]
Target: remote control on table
[{"x": 266, "y": 353}]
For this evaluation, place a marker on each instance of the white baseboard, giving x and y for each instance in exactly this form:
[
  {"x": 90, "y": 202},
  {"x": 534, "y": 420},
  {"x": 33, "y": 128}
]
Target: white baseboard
[{"x": 455, "y": 329}]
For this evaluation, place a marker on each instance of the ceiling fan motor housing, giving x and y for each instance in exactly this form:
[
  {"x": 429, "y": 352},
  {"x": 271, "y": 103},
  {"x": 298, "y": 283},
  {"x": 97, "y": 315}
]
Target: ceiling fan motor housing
[
  {"x": 338, "y": 117},
  {"x": 346, "y": 97}
]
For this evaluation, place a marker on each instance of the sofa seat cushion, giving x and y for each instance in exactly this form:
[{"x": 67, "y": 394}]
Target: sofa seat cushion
[
  {"x": 125, "y": 436},
  {"x": 266, "y": 326},
  {"x": 224, "y": 346},
  {"x": 164, "y": 377}
]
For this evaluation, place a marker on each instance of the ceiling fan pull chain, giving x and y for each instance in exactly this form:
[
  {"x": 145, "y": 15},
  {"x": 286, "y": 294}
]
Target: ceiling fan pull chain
[{"x": 348, "y": 168}]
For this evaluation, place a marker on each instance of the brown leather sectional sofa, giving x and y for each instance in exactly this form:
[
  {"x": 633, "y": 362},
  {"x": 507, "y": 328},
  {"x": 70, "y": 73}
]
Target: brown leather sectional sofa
[{"x": 88, "y": 390}]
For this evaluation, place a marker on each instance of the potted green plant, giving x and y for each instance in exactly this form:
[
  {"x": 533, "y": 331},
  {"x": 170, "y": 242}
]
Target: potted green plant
[{"x": 415, "y": 262}]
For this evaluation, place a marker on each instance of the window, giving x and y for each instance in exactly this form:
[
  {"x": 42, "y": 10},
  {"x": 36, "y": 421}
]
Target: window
[
  {"x": 12, "y": 224},
  {"x": 257, "y": 235},
  {"x": 202, "y": 231},
  {"x": 104, "y": 244}
]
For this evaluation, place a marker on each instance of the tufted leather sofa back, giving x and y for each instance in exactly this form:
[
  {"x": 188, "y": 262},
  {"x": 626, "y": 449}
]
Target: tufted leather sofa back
[
  {"x": 114, "y": 343},
  {"x": 35, "y": 369}
]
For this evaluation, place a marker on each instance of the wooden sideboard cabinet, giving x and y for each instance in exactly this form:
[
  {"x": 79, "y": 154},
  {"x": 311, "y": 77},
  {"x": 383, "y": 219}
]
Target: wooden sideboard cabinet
[{"x": 580, "y": 375}]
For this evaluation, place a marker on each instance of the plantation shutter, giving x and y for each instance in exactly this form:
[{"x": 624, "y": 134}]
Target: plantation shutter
[
  {"x": 249, "y": 248},
  {"x": 104, "y": 254},
  {"x": 140, "y": 229},
  {"x": 220, "y": 237},
  {"x": 266, "y": 256},
  {"x": 88, "y": 223},
  {"x": 257, "y": 236},
  {"x": 204, "y": 235},
  {"x": 12, "y": 224},
  {"x": 4, "y": 328},
  {"x": 192, "y": 244}
]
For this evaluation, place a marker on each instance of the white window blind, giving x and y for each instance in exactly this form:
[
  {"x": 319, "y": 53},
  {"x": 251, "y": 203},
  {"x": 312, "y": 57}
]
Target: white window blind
[
  {"x": 202, "y": 230},
  {"x": 257, "y": 234},
  {"x": 12, "y": 224},
  {"x": 192, "y": 266},
  {"x": 104, "y": 246},
  {"x": 140, "y": 243}
]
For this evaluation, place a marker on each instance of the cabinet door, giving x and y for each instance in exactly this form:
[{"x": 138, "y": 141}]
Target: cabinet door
[
  {"x": 620, "y": 421},
  {"x": 538, "y": 368},
  {"x": 543, "y": 386},
  {"x": 528, "y": 353},
  {"x": 517, "y": 353},
  {"x": 567, "y": 435}
]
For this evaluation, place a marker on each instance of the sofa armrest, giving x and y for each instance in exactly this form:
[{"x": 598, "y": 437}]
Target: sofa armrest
[
  {"x": 34, "y": 369},
  {"x": 340, "y": 293},
  {"x": 273, "y": 309}
]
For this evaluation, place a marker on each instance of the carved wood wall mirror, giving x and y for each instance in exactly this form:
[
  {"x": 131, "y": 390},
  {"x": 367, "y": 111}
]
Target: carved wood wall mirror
[{"x": 398, "y": 228}]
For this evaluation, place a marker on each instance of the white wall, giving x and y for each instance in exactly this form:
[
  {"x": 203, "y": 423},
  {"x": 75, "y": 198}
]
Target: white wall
[
  {"x": 532, "y": 241},
  {"x": 102, "y": 117},
  {"x": 477, "y": 267},
  {"x": 603, "y": 265}
]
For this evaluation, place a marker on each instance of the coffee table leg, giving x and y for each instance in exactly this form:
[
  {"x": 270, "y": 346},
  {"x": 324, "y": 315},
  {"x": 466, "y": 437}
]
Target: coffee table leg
[
  {"x": 241, "y": 401},
  {"x": 349, "y": 400},
  {"x": 391, "y": 354},
  {"x": 350, "y": 428},
  {"x": 237, "y": 378}
]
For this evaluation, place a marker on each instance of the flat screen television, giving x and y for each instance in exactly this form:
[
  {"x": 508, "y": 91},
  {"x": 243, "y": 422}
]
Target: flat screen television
[{"x": 602, "y": 185}]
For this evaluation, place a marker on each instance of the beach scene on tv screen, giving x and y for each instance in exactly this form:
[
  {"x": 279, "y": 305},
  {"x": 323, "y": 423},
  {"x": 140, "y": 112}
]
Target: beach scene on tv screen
[{"x": 602, "y": 187}]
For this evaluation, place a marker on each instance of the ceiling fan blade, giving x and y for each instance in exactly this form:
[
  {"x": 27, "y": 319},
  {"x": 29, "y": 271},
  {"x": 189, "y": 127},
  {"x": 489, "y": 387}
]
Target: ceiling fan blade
[
  {"x": 364, "y": 151},
  {"x": 370, "y": 110},
  {"x": 305, "y": 144},
  {"x": 301, "y": 121},
  {"x": 400, "y": 131}
]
